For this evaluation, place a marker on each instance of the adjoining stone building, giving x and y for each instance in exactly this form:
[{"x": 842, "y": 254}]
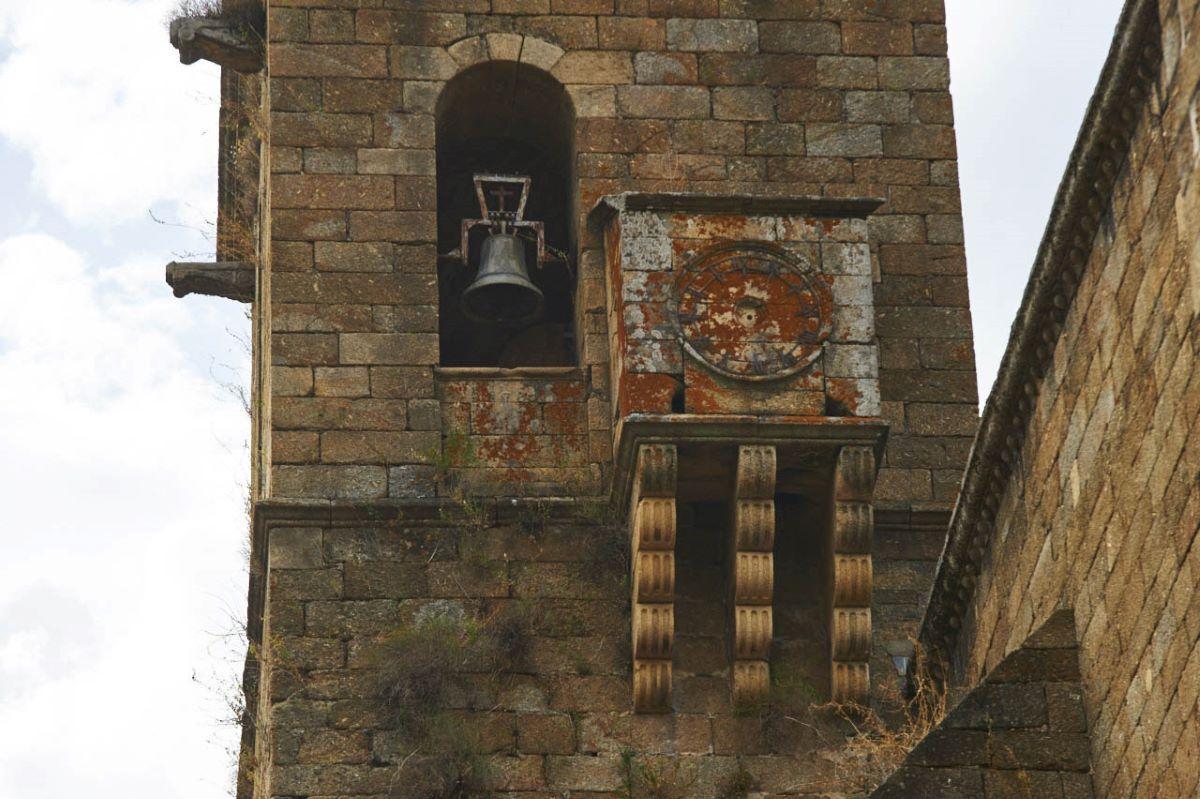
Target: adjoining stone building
[
  {"x": 1082, "y": 488},
  {"x": 614, "y": 386}
]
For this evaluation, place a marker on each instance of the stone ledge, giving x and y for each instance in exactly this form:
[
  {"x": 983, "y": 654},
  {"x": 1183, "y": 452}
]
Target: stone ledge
[
  {"x": 742, "y": 204},
  {"x": 788, "y": 433},
  {"x": 498, "y": 373}
]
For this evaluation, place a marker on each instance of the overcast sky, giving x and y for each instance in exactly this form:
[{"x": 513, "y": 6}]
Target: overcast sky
[{"x": 123, "y": 458}]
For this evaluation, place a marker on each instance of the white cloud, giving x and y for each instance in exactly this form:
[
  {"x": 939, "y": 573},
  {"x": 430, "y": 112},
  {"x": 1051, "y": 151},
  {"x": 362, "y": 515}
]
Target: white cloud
[
  {"x": 94, "y": 93},
  {"x": 120, "y": 470},
  {"x": 120, "y": 456},
  {"x": 45, "y": 635}
]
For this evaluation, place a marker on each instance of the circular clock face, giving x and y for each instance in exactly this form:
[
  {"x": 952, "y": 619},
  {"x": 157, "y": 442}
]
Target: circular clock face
[{"x": 752, "y": 311}]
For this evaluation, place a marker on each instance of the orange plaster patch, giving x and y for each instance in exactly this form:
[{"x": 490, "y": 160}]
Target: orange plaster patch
[
  {"x": 707, "y": 393},
  {"x": 564, "y": 418},
  {"x": 647, "y": 393},
  {"x": 843, "y": 391}
]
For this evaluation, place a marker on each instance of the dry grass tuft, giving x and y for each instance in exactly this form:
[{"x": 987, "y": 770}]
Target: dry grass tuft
[
  {"x": 739, "y": 785},
  {"x": 248, "y": 13},
  {"x": 652, "y": 780},
  {"x": 207, "y": 9},
  {"x": 507, "y": 635},
  {"x": 420, "y": 666},
  {"x": 878, "y": 746},
  {"x": 421, "y": 669}
]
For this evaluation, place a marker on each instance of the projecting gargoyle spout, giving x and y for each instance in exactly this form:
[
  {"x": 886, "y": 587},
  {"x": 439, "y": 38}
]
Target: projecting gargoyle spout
[
  {"x": 233, "y": 280},
  {"x": 226, "y": 42}
]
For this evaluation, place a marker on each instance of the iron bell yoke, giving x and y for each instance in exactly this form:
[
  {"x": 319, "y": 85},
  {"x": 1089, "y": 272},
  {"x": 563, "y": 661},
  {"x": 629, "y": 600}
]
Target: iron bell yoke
[{"x": 502, "y": 292}]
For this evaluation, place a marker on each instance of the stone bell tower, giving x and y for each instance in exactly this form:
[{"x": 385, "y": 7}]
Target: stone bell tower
[{"x": 628, "y": 337}]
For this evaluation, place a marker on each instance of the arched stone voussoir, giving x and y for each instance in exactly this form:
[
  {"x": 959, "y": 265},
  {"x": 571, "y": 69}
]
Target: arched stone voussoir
[
  {"x": 505, "y": 47},
  {"x": 541, "y": 54},
  {"x": 469, "y": 52}
]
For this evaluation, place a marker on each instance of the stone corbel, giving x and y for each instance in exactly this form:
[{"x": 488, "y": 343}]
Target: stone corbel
[
  {"x": 233, "y": 280},
  {"x": 753, "y": 574},
  {"x": 653, "y": 566},
  {"x": 229, "y": 43},
  {"x": 853, "y": 524}
]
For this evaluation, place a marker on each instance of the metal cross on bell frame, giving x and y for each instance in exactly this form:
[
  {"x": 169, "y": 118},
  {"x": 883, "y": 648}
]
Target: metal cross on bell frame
[{"x": 502, "y": 292}]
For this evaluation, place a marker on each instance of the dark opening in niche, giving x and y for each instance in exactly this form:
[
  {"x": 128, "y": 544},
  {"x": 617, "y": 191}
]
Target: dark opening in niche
[
  {"x": 703, "y": 625},
  {"x": 502, "y": 117},
  {"x": 800, "y": 658}
]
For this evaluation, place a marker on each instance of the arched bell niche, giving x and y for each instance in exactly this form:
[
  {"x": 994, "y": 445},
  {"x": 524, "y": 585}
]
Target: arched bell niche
[{"x": 504, "y": 117}]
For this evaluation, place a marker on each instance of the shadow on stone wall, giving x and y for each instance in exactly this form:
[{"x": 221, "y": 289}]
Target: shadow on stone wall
[{"x": 1021, "y": 733}]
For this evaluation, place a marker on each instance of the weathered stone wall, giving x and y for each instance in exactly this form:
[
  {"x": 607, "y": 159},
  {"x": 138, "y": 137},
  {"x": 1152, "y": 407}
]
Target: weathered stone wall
[
  {"x": 1102, "y": 511},
  {"x": 799, "y": 97},
  {"x": 522, "y": 435},
  {"x": 344, "y": 585}
]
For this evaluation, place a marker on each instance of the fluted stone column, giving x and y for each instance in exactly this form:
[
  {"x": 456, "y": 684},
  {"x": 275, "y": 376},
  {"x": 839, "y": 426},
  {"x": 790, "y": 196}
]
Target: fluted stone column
[
  {"x": 753, "y": 573},
  {"x": 653, "y": 564},
  {"x": 853, "y": 523}
]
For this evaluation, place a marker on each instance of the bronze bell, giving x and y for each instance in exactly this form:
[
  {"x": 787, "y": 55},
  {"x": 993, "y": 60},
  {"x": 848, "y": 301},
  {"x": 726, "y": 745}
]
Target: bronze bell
[{"x": 502, "y": 292}]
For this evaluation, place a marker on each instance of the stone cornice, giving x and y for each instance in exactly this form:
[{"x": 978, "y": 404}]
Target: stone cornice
[
  {"x": 1081, "y": 203},
  {"x": 514, "y": 373},
  {"x": 741, "y": 204},
  {"x": 784, "y": 432}
]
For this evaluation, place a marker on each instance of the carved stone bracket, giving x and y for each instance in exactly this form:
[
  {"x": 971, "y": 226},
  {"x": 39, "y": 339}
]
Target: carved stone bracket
[
  {"x": 653, "y": 564},
  {"x": 233, "y": 280},
  {"x": 753, "y": 583},
  {"x": 853, "y": 523},
  {"x": 230, "y": 43}
]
